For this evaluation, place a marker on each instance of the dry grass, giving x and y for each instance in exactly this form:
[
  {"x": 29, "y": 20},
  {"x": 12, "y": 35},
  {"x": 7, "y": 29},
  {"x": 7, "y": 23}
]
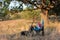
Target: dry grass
[
  {"x": 50, "y": 34},
  {"x": 13, "y": 26},
  {"x": 10, "y": 30}
]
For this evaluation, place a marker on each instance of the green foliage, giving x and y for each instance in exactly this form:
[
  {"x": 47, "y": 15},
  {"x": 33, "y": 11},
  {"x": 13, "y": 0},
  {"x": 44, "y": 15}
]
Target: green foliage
[
  {"x": 32, "y": 14},
  {"x": 4, "y": 12},
  {"x": 55, "y": 9},
  {"x": 15, "y": 16},
  {"x": 47, "y": 2},
  {"x": 8, "y": 1},
  {"x": 29, "y": 13}
]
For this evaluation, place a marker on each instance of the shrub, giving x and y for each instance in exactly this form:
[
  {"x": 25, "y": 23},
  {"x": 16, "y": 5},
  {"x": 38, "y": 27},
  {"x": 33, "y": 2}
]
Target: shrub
[{"x": 31, "y": 14}]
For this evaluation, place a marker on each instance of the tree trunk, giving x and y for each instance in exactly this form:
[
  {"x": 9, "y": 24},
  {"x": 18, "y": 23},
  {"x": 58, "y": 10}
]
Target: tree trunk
[{"x": 44, "y": 15}]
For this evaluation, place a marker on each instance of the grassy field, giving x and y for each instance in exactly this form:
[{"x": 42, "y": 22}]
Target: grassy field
[
  {"x": 15, "y": 26},
  {"x": 10, "y": 30}
]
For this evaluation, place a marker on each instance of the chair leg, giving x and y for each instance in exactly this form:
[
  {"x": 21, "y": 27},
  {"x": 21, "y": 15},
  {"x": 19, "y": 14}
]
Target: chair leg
[{"x": 42, "y": 31}]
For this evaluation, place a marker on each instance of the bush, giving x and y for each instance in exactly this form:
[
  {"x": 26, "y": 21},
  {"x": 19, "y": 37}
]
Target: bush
[
  {"x": 31, "y": 14},
  {"x": 25, "y": 14},
  {"x": 15, "y": 16}
]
